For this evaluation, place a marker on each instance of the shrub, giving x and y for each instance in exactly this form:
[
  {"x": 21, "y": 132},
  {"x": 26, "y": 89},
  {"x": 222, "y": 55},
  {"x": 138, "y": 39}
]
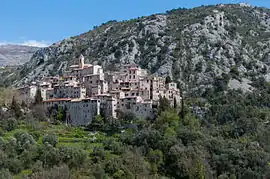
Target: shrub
[{"x": 50, "y": 139}]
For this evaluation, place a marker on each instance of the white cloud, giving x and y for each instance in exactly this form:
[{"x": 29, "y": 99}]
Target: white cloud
[{"x": 33, "y": 43}]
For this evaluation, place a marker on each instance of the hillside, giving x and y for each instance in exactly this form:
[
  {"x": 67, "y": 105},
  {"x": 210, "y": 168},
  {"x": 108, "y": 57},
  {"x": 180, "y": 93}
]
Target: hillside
[
  {"x": 197, "y": 47},
  {"x": 15, "y": 54},
  {"x": 228, "y": 137},
  {"x": 216, "y": 132}
]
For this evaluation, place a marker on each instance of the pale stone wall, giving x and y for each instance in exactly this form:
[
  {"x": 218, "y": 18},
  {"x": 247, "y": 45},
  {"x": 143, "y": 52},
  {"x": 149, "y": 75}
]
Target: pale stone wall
[
  {"x": 82, "y": 112},
  {"x": 57, "y": 102},
  {"x": 69, "y": 91},
  {"x": 79, "y": 111},
  {"x": 137, "y": 106}
]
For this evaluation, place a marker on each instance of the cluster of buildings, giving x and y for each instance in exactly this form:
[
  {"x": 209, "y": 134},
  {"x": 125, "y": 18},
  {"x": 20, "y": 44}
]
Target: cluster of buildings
[{"x": 87, "y": 91}]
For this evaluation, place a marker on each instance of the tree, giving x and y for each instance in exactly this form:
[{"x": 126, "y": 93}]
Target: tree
[
  {"x": 97, "y": 123},
  {"x": 155, "y": 157},
  {"x": 168, "y": 80},
  {"x": 24, "y": 140},
  {"x": 39, "y": 112},
  {"x": 23, "y": 105},
  {"x": 15, "y": 108},
  {"x": 38, "y": 97},
  {"x": 164, "y": 104},
  {"x": 4, "y": 173},
  {"x": 182, "y": 112},
  {"x": 50, "y": 139},
  {"x": 174, "y": 103},
  {"x": 135, "y": 163},
  {"x": 60, "y": 116},
  {"x": 10, "y": 124},
  {"x": 168, "y": 117},
  {"x": 72, "y": 156},
  {"x": 49, "y": 155}
]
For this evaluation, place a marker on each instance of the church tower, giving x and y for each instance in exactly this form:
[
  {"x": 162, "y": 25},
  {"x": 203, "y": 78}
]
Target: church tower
[{"x": 81, "y": 61}]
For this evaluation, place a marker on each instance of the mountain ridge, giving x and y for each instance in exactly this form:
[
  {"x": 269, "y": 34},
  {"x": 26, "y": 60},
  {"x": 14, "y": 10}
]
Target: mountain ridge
[
  {"x": 11, "y": 54},
  {"x": 196, "y": 47}
]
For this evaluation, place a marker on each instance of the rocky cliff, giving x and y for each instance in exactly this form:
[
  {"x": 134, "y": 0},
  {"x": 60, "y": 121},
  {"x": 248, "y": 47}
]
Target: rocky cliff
[{"x": 197, "y": 47}]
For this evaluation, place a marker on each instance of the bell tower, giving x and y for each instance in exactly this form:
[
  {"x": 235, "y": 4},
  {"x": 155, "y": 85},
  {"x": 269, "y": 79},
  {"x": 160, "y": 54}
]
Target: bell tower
[{"x": 81, "y": 61}]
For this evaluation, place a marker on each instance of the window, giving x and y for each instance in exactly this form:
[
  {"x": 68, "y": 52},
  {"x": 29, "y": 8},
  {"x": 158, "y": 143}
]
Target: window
[{"x": 133, "y": 76}]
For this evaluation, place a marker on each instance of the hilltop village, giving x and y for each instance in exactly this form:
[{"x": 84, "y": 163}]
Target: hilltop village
[{"x": 86, "y": 91}]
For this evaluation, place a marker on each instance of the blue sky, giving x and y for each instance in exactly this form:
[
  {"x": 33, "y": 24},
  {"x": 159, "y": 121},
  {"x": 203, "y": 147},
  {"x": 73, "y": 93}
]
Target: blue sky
[{"x": 41, "y": 22}]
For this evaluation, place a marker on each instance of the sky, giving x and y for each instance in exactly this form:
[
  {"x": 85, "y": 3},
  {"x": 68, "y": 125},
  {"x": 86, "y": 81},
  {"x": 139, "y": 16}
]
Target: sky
[{"x": 43, "y": 22}]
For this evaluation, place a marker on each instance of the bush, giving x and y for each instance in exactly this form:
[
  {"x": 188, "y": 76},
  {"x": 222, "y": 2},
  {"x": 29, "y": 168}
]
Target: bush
[
  {"x": 4, "y": 173},
  {"x": 24, "y": 140},
  {"x": 50, "y": 139},
  {"x": 73, "y": 157},
  {"x": 10, "y": 124}
]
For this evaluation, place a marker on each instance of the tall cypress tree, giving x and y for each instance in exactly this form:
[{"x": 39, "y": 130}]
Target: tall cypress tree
[
  {"x": 168, "y": 79},
  {"x": 174, "y": 103},
  {"x": 38, "y": 97}
]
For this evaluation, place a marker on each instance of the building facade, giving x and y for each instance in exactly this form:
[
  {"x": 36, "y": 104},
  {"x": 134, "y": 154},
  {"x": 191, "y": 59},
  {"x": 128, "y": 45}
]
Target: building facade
[{"x": 86, "y": 91}]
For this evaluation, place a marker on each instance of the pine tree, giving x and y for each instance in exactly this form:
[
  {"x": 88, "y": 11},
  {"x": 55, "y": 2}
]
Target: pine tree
[{"x": 38, "y": 97}]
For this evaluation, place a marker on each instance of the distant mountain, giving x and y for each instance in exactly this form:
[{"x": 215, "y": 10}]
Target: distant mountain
[
  {"x": 200, "y": 48},
  {"x": 15, "y": 54}
]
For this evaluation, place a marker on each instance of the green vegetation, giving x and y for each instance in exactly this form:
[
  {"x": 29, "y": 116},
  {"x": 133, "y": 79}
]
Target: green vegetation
[{"x": 222, "y": 135}]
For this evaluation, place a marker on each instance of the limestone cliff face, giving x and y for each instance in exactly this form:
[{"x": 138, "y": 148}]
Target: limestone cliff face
[{"x": 194, "y": 46}]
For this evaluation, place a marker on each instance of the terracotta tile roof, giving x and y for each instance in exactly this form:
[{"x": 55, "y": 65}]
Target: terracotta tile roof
[{"x": 57, "y": 99}]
